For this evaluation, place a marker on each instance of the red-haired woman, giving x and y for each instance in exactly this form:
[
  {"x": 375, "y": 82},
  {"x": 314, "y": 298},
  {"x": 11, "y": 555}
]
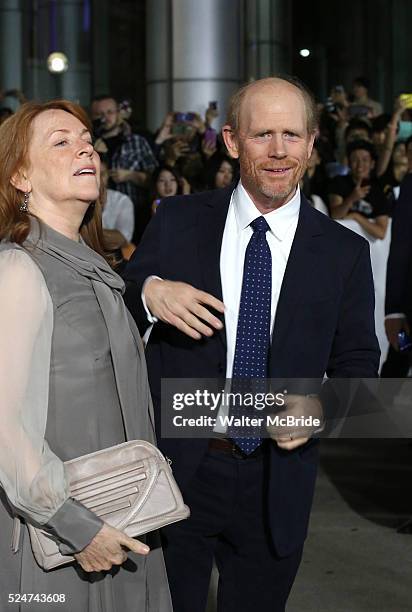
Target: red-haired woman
[{"x": 69, "y": 356}]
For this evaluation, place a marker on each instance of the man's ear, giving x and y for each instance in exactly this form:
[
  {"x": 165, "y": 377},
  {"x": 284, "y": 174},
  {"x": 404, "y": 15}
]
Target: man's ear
[
  {"x": 20, "y": 181},
  {"x": 230, "y": 141},
  {"x": 311, "y": 143}
]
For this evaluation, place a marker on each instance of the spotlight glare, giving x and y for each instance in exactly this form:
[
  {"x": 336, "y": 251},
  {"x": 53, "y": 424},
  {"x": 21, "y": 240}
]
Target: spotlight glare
[
  {"x": 57, "y": 62},
  {"x": 304, "y": 52}
]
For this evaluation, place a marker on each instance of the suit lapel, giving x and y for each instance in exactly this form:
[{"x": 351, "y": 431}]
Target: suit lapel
[
  {"x": 300, "y": 274},
  {"x": 211, "y": 224}
]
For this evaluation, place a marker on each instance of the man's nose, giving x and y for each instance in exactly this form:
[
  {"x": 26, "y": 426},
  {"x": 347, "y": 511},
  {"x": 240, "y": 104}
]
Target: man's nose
[{"x": 277, "y": 146}]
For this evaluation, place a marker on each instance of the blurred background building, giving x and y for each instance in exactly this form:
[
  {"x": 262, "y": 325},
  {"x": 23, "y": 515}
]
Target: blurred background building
[{"x": 178, "y": 54}]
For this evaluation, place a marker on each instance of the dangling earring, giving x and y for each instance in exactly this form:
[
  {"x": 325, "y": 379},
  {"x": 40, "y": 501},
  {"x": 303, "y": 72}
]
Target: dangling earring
[{"x": 24, "y": 206}]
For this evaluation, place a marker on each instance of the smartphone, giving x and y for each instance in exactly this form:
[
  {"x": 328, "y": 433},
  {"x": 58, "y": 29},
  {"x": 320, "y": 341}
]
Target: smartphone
[
  {"x": 404, "y": 341},
  {"x": 213, "y": 104},
  {"x": 210, "y": 137},
  {"x": 407, "y": 99},
  {"x": 184, "y": 117}
]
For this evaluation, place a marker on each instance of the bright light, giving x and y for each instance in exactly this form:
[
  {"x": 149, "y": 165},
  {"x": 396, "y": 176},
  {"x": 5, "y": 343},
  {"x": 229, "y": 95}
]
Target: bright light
[
  {"x": 57, "y": 62},
  {"x": 304, "y": 52}
]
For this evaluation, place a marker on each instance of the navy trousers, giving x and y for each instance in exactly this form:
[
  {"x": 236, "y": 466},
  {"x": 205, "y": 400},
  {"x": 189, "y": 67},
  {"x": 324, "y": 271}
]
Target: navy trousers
[{"x": 228, "y": 523}]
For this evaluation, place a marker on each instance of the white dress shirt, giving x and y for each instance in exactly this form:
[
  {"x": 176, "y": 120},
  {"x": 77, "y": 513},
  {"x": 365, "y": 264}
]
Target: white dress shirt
[{"x": 237, "y": 233}]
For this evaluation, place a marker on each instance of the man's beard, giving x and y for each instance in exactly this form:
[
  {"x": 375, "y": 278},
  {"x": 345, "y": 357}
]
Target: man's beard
[{"x": 281, "y": 190}]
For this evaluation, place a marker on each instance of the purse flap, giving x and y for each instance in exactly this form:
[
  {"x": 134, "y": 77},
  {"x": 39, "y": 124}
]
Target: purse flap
[{"x": 115, "y": 482}]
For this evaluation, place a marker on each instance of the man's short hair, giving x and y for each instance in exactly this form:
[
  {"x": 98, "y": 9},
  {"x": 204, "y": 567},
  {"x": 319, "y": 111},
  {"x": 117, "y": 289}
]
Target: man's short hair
[
  {"x": 362, "y": 81},
  {"x": 101, "y": 97},
  {"x": 358, "y": 124},
  {"x": 237, "y": 98},
  {"x": 361, "y": 145}
]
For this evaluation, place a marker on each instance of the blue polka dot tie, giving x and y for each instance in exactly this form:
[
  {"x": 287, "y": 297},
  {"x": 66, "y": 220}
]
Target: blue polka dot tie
[{"x": 253, "y": 328}]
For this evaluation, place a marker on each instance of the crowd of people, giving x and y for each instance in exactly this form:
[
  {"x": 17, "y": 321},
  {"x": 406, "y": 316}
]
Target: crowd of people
[{"x": 359, "y": 160}]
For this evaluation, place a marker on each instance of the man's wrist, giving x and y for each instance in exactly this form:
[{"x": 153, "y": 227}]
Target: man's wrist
[{"x": 150, "y": 317}]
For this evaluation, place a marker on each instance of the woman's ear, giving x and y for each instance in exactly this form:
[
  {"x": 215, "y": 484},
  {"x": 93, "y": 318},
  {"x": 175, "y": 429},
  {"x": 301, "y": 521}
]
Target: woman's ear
[{"x": 20, "y": 181}]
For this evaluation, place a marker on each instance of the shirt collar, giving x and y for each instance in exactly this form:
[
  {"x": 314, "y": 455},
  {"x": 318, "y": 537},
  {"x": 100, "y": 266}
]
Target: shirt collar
[{"x": 279, "y": 220}]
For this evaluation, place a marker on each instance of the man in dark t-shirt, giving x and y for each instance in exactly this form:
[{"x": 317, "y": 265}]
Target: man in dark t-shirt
[{"x": 358, "y": 195}]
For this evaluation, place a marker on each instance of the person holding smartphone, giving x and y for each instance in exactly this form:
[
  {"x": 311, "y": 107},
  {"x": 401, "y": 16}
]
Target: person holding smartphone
[{"x": 358, "y": 195}]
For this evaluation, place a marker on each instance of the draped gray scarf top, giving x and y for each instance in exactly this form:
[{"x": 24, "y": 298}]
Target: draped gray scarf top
[{"x": 125, "y": 342}]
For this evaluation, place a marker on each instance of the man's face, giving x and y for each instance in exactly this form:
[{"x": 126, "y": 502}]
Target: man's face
[
  {"x": 272, "y": 143},
  {"x": 107, "y": 110},
  {"x": 361, "y": 164},
  {"x": 359, "y": 91}
]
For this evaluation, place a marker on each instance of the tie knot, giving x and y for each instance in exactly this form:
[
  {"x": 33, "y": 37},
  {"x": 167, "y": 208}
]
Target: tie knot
[{"x": 260, "y": 225}]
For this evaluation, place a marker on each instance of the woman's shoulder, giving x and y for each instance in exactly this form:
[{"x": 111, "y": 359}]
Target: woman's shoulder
[{"x": 18, "y": 266}]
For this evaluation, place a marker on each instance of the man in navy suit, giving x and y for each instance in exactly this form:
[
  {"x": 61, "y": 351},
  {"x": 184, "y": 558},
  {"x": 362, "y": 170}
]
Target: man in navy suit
[{"x": 250, "y": 508}]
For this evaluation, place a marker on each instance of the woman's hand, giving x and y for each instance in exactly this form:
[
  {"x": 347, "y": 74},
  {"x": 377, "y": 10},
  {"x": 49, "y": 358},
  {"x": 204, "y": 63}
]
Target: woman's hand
[
  {"x": 174, "y": 150},
  {"x": 208, "y": 148},
  {"x": 107, "y": 549},
  {"x": 165, "y": 131}
]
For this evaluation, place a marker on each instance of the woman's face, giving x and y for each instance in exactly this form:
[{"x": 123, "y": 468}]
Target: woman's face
[
  {"x": 166, "y": 184},
  {"x": 224, "y": 175},
  {"x": 64, "y": 168}
]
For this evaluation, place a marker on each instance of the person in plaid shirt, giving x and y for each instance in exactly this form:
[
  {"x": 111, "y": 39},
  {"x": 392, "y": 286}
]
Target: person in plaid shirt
[{"x": 129, "y": 158}]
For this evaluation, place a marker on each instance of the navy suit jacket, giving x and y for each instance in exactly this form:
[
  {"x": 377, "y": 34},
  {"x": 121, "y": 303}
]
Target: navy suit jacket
[
  {"x": 399, "y": 270},
  {"x": 324, "y": 323}
]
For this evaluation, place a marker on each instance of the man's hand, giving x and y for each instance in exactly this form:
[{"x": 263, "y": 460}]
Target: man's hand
[
  {"x": 107, "y": 549},
  {"x": 297, "y": 406},
  {"x": 183, "y": 306},
  {"x": 392, "y": 329},
  {"x": 211, "y": 114},
  {"x": 360, "y": 192}
]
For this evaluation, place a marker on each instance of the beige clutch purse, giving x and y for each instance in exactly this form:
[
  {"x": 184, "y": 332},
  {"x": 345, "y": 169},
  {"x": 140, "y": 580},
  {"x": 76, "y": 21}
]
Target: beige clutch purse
[{"x": 130, "y": 486}]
